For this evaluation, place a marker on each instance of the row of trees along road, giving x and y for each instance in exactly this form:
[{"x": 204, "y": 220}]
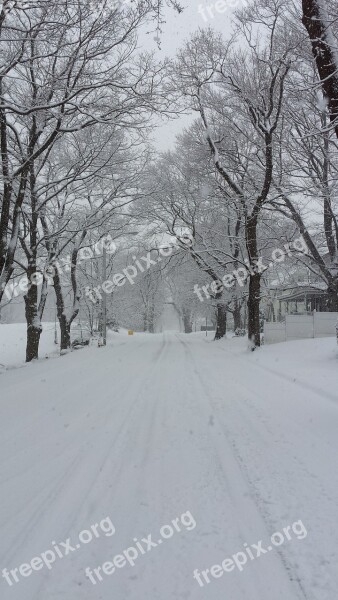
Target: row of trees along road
[
  {"x": 255, "y": 169},
  {"x": 75, "y": 101}
]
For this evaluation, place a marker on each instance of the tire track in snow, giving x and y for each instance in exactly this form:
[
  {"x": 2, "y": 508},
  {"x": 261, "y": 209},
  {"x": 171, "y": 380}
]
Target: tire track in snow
[
  {"x": 72, "y": 484},
  {"x": 237, "y": 499},
  {"x": 107, "y": 468}
]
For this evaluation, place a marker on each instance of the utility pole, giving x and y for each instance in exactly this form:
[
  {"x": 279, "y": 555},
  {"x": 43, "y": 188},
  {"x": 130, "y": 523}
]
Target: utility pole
[{"x": 104, "y": 298}]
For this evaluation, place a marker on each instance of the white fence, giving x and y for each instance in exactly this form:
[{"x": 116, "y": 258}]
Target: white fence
[{"x": 301, "y": 327}]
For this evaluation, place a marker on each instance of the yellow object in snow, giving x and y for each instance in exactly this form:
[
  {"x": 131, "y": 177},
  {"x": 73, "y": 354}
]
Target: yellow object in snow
[{"x": 130, "y": 332}]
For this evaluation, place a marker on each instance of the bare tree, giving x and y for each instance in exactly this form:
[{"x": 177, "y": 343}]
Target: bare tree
[
  {"x": 61, "y": 74},
  {"x": 239, "y": 94}
]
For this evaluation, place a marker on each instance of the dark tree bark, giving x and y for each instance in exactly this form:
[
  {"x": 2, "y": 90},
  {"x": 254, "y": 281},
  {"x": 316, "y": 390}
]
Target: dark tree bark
[
  {"x": 187, "y": 320},
  {"x": 318, "y": 30},
  {"x": 237, "y": 315},
  {"x": 332, "y": 292},
  {"x": 64, "y": 321},
  {"x": 33, "y": 307},
  {"x": 254, "y": 333},
  {"x": 151, "y": 317},
  {"x": 33, "y": 324},
  {"x": 7, "y": 250},
  {"x": 221, "y": 321},
  {"x": 34, "y": 310},
  {"x": 61, "y": 315}
]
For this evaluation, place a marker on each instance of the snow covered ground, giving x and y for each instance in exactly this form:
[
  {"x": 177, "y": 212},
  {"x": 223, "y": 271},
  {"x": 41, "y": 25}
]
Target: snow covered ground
[
  {"x": 13, "y": 343},
  {"x": 154, "y": 426}
]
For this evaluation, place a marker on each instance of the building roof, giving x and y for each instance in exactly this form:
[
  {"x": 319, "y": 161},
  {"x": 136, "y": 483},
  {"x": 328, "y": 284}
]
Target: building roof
[{"x": 302, "y": 291}]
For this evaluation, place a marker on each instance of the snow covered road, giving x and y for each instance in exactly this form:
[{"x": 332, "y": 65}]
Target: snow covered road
[{"x": 152, "y": 427}]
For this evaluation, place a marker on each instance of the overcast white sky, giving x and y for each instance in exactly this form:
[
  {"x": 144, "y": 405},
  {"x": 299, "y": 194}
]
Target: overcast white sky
[{"x": 176, "y": 30}]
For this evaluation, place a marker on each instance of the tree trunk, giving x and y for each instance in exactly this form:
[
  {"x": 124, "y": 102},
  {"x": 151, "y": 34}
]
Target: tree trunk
[
  {"x": 34, "y": 311},
  {"x": 332, "y": 292},
  {"x": 187, "y": 322},
  {"x": 62, "y": 318},
  {"x": 33, "y": 324},
  {"x": 319, "y": 29},
  {"x": 221, "y": 322},
  {"x": 33, "y": 340},
  {"x": 66, "y": 322},
  {"x": 237, "y": 316},
  {"x": 64, "y": 333},
  {"x": 245, "y": 316},
  {"x": 151, "y": 317},
  {"x": 254, "y": 331},
  {"x": 7, "y": 250}
]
